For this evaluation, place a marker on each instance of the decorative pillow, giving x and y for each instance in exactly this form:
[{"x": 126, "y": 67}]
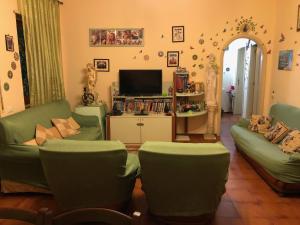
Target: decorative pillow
[
  {"x": 73, "y": 123},
  {"x": 259, "y": 123},
  {"x": 291, "y": 143},
  {"x": 43, "y": 133},
  {"x": 65, "y": 127},
  {"x": 277, "y": 132},
  {"x": 30, "y": 142}
]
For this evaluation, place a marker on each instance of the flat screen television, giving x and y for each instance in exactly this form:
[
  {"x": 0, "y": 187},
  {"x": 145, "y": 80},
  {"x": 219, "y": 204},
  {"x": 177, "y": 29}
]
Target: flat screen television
[{"x": 140, "y": 82}]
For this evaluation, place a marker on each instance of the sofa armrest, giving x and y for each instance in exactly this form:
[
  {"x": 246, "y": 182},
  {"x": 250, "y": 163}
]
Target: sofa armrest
[
  {"x": 243, "y": 123},
  {"x": 86, "y": 121},
  {"x": 132, "y": 165}
]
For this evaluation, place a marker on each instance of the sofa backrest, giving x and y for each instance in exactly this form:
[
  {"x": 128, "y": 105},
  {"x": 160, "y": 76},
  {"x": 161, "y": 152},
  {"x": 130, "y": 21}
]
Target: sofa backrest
[
  {"x": 20, "y": 127},
  {"x": 183, "y": 179},
  {"x": 85, "y": 173},
  {"x": 290, "y": 115}
]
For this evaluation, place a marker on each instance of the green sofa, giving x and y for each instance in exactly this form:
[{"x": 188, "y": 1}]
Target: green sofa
[
  {"x": 280, "y": 170},
  {"x": 183, "y": 181},
  {"x": 21, "y": 163},
  {"x": 89, "y": 173}
]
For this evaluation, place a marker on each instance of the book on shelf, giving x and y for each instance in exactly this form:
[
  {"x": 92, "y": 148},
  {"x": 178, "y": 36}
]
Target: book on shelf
[{"x": 132, "y": 105}]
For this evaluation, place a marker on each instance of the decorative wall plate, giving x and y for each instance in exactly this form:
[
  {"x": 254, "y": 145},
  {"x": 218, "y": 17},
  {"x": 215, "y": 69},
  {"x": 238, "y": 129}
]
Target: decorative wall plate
[
  {"x": 195, "y": 57},
  {"x": 6, "y": 86},
  {"x": 10, "y": 74},
  {"x": 13, "y": 65},
  {"x": 16, "y": 56}
]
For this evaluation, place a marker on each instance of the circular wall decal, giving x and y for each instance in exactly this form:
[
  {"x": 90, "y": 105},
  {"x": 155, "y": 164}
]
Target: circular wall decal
[
  {"x": 201, "y": 41},
  {"x": 215, "y": 43},
  {"x": 146, "y": 57},
  {"x": 201, "y": 66},
  {"x": 6, "y": 86},
  {"x": 16, "y": 56},
  {"x": 10, "y": 74},
  {"x": 193, "y": 74},
  {"x": 13, "y": 65},
  {"x": 195, "y": 57},
  {"x": 160, "y": 53}
]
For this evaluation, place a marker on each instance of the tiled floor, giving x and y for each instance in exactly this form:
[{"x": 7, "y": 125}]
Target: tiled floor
[{"x": 247, "y": 201}]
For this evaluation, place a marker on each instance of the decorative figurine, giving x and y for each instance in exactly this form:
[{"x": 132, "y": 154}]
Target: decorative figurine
[{"x": 87, "y": 98}]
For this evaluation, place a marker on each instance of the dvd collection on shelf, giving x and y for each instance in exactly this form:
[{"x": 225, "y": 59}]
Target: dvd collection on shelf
[{"x": 145, "y": 105}]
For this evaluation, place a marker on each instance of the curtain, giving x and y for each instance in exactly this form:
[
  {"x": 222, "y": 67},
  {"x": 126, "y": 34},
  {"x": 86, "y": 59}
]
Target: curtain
[{"x": 41, "y": 25}]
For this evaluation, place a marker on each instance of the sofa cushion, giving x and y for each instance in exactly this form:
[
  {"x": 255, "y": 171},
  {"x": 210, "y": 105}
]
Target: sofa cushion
[
  {"x": 259, "y": 123},
  {"x": 282, "y": 166},
  {"x": 31, "y": 142},
  {"x": 87, "y": 134},
  {"x": 65, "y": 127},
  {"x": 277, "y": 132},
  {"x": 291, "y": 143},
  {"x": 42, "y": 134}
]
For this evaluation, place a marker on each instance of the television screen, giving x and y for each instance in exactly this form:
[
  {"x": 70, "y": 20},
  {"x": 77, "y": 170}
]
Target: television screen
[{"x": 140, "y": 82}]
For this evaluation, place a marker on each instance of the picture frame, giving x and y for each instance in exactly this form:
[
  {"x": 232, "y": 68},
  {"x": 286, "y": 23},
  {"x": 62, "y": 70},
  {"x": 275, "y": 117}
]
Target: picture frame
[
  {"x": 9, "y": 42},
  {"x": 285, "y": 60},
  {"x": 298, "y": 19},
  {"x": 177, "y": 33},
  {"x": 101, "y": 65},
  {"x": 116, "y": 37},
  {"x": 172, "y": 58}
]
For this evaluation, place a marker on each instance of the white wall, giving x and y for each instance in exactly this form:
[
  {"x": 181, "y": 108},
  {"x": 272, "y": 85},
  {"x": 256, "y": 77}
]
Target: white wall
[{"x": 13, "y": 100}]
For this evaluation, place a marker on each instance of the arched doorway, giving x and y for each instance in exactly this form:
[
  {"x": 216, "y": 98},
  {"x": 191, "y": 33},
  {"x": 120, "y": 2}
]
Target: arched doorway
[{"x": 242, "y": 86}]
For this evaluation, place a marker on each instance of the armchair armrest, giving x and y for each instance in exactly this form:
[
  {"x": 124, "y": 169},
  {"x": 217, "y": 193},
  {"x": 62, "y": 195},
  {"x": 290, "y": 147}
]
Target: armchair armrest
[
  {"x": 86, "y": 121},
  {"x": 132, "y": 165},
  {"x": 243, "y": 123}
]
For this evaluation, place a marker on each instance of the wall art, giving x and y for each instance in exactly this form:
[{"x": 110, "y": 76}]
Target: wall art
[
  {"x": 9, "y": 42},
  {"x": 13, "y": 65},
  {"x": 10, "y": 74},
  {"x": 16, "y": 56},
  {"x": 285, "y": 60},
  {"x": 101, "y": 65},
  {"x": 113, "y": 37},
  {"x": 173, "y": 58},
  {"x": 177, "y": 33}
]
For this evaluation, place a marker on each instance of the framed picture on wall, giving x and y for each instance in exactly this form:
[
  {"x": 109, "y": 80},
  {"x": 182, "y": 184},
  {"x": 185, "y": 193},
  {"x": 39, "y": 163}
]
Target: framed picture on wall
[
  {"x": 285, "y": 61},
  {"x": 9, "y": 42},
  {"x": 173, "y": 58},
  {"x": 178, "y": 34},
  {"x": 298, "y": 19},
  {"x": 120, "y": 37},
  {"x": 101, "y": 65}
]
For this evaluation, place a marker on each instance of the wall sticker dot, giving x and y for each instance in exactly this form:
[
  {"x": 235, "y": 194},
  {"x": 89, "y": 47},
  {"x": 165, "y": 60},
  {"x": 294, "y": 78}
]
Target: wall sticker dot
[
  {"x": 193, "y": 74},
  {"x": 134, "y": 57},
  {"x": 201, "y": 66},
  {"x": 269, "y": 42},
  {"x": 10, "y": 74},
  {"x": 215, "y": 43},
  {"x": 6, "y": 86},
  {"x": 141, "y": 51},
  {"x": 13, "y": 65},
  {"x": 16, "y": 56},
  {"x": 202, "y": 35},
  {"x": 146, "y": 57},
  {"x": 262, "y": 26},
  {"x": 195, "y": 57},
  {"x": 203, "y": 50},
  {"x": 269, "y": 52},
  {"x": 194, "y": 65},
  {"x": 162, "y": 36},
  {"x": 224, "y": 31},
  {"x": 265, "y": 31},
  {"x": 291, "y": 28},
  {"x": 295, "y": 42},
  {"x": 201, "y": 41},
  {"x": 191, "y": 47},
  {"x": 282, "y": 38},
  {"x": 160, "y": 53},
  {"x": 181, "y": 52}
]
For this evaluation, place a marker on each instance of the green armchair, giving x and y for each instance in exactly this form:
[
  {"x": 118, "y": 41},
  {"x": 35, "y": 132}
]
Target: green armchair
[
  {"x": 183, "y": 181},
  {"x": 89, "y": 173}
]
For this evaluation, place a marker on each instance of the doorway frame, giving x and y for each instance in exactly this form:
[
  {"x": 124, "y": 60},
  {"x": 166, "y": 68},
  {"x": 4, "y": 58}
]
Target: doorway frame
[{"x": 261, "y": 45}]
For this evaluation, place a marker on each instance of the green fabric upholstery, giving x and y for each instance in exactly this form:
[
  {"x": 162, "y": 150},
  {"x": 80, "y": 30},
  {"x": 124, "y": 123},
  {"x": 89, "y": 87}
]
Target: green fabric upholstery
[
  {"x": 20, "y": 162},
  {"x": 89, "y": 173},
  {"x": 282, "y": 166},
  {"x": 181, "y": 179}
]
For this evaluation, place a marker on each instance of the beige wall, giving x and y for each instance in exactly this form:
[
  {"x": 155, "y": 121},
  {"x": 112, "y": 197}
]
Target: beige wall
[
  {"x": 285, "y": 84},
  {"x": 12, "y": 99},
  {"x": 156, "y": 17}
]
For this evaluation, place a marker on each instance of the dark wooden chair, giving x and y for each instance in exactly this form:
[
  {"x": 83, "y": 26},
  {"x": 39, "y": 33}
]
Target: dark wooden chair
[
  {"x": 91, "y": 216},
  {"x": 28, "y": 216}
]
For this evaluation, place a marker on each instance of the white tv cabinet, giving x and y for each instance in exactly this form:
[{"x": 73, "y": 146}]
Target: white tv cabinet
[{"x": 132, "y": 129}]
